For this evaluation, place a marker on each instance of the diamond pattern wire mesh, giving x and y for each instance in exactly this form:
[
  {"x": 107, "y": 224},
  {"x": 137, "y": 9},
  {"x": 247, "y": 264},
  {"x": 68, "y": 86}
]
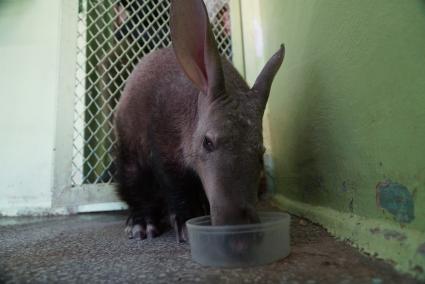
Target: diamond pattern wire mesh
[{"x": 113, "y": 35}]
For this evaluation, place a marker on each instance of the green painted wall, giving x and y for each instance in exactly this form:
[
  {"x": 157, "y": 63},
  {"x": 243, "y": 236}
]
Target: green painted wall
[{"x": 347, "y": 117}]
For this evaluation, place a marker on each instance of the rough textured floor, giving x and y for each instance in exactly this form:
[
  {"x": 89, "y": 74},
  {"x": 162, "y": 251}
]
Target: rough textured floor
[{"x": 92, "y": 248}]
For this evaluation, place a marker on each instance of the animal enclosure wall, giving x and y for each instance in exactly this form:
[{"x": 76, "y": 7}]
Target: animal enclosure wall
[
  {"x": 113, "y": 35},
  {"x": 29, "y": 67},
  {"x": 347, "y": 114},
  {"x": 67, "y": 62}
]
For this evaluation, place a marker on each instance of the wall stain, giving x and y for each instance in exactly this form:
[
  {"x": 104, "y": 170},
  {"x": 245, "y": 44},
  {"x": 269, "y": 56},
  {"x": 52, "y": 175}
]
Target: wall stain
[
  {"x": 394, "y": 235},
  {"x": 421, "y": 249},
  {"x": 314, "y": 183},
  {"x": 389, "y": 234},
  {"x": 348, "y": 186},
  {"x": 375, "y": 231},
  {"x": 418, "y": 269},
  {"x": 344, "y": 187},
  {"x": 395, "y": 199},
  {"x": 351, "y": 205}
]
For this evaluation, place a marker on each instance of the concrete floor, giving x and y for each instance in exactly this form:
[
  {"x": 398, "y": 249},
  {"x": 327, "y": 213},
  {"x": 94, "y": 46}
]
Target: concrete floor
[{"x": 92, "y": 248}]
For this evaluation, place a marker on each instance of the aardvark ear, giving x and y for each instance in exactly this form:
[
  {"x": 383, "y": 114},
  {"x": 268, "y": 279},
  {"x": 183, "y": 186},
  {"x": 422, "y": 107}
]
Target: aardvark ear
[
  {"x": 195, "y": 46},
  {"x": 264, "y": 81}
]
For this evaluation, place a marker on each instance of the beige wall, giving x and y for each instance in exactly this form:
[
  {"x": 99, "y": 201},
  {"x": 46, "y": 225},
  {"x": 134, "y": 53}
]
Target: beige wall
[{"x": 29, "y": 68}]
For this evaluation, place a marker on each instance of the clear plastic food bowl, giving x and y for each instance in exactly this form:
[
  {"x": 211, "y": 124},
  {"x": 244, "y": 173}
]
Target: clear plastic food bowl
[{"x": 240, "y": 245}]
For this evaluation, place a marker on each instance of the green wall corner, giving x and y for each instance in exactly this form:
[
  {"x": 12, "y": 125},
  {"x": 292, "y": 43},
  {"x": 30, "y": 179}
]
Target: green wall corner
[
  {"x": 347, "y": 116},
  {"x": 404, "y": 248}
]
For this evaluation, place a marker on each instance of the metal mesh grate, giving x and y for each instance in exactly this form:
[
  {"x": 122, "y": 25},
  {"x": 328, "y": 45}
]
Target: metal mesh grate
[{"x": 112, "y": 37}]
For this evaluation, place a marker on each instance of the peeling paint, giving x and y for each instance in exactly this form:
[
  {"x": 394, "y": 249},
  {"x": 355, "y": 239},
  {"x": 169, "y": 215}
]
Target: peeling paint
[{"x": 395, "y": 199}]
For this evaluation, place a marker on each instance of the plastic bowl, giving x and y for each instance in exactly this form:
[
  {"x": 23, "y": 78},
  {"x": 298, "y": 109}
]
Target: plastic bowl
[{"x": 239, "y": 245}]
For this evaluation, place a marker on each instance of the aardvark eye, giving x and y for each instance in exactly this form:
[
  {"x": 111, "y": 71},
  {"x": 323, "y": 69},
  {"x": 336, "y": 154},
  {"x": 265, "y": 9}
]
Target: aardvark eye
[{"x": 208, "y": 144}]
